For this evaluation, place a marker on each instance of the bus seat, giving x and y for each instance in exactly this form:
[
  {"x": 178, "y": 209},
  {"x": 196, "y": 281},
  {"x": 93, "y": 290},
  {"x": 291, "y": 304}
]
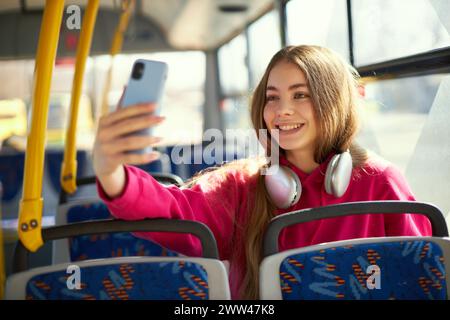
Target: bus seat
[
  {"x": 125, "y": 278},
  {"x": 378, "y": 268},
  {"x": 11, "y": 176},
  {"x": 100, "y": 245},
  {"x": 53, "y": 161},
  {"x": 410, "y": 268},
  {"x": 175, "y": 278}
]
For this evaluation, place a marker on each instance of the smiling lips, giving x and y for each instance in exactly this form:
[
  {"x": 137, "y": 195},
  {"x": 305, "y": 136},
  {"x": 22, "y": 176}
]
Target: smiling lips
[{"x": 289, "y": 128}]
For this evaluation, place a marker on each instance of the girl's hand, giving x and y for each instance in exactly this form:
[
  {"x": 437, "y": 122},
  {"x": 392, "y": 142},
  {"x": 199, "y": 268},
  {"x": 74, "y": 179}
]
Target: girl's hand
[{"x": 114, "y": 140}]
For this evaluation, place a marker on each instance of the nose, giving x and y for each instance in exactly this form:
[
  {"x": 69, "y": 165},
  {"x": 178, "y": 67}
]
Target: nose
[{"x": 284, "y": 109}]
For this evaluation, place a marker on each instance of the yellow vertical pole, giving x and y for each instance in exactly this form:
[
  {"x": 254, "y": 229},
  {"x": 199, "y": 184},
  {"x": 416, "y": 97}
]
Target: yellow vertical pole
[
  {"x": 116, "y": 47},
  {"x": 30, "y": 211},
  {"x": 69, "y": 165}
]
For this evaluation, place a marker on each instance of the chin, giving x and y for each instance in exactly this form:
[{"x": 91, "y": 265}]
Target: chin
[
  {"x": 289, "y": 146},
  {"x": 293, "y": 146}
]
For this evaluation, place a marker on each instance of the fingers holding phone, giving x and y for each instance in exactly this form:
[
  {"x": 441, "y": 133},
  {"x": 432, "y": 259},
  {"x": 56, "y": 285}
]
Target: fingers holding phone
[
  {"x": 131, "y": 121},
  {"x": 117, "y": 141}
]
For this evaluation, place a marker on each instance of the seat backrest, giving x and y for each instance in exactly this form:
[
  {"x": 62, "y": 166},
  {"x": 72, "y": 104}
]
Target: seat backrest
[
  {"x": 371, "y": 268},
  {"x": 98, "y": 246},
  {"x": 366, "y": 269},
  {"x": 11, "y": 176},
  {"x": 152, "y": 278},
  {"x": 125, "y": 277}
]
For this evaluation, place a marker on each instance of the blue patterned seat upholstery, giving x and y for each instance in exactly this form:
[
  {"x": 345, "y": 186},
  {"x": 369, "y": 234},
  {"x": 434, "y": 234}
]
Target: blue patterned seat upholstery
[
  {"x": 409, "y": 269},
  {"x": 105, "y": 245},
  {"x": 125, "y": 278},
  {"x": 188, "y": 281}
]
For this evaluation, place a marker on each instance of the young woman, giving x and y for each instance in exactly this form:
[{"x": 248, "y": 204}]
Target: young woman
[{"x": 309, "y": 94}]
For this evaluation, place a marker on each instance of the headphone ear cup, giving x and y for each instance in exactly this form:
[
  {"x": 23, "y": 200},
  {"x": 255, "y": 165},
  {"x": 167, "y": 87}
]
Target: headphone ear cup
[
  {"x": 329, "y": 173},
  {"x": 338, "y": 175},
  {"x": 283, "y": 186}
]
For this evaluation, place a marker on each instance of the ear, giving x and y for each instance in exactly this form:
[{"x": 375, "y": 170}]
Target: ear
[{"x": 362, "y": 90}]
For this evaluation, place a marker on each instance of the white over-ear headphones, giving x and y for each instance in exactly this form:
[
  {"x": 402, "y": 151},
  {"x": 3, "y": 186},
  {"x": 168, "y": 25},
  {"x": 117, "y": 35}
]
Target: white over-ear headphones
[{"x": 284, "y": 186}]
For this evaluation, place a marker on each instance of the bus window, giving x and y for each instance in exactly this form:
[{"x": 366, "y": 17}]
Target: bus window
[
  {"x": 264, "y": 42},
  {"x": 232, "y": 66},
  {"x": 13, "y": 119},
  {"x": 234, "y": 78},
  {"x": 395, "y": 112},
  {"x": 406, "y": 122},
  {"x": 320, "y": 22},
  {"x": 58, "y": 117},
  {"x": 16, "y": 79},
  {"x": 183, "y": 99},
  {"x": 385, "y": 30}
]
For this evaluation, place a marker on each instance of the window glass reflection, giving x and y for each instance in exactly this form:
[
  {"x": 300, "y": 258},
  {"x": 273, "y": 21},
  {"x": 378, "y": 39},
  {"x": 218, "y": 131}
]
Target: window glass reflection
[
  {"x": 385, "y": 29},
  {"x": 319, "y": 22}
]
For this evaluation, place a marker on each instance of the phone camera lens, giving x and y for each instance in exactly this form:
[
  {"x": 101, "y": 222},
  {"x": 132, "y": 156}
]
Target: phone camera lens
[{"x": 138, "y": 70}]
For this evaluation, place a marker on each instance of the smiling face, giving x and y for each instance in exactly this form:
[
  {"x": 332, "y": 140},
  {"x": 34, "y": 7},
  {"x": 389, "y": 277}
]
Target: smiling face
[{"x": 290, "y": 109}]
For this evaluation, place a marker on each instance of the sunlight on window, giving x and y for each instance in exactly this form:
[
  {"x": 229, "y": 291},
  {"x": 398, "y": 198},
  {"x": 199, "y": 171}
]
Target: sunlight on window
[
  {"x": 232, "y": 67},
  {"x": 318, "y": 22},
  {"x": 183, "y": 99},
  {"x": 393, "y": 115},
  {"x": 386, "y": 29},
  {"x": 264, "y": 35}
]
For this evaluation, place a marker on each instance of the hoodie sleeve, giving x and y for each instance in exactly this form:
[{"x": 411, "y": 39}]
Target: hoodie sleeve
[
  {"x": 393, "y": 186},
  {"x": 213, "y": 200}
]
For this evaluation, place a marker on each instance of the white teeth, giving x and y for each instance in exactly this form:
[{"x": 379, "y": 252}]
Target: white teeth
[{"x": 290, "y": 127}]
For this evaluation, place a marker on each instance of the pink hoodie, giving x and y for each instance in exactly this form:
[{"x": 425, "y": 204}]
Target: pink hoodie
[{"x": 221, "y": 203}]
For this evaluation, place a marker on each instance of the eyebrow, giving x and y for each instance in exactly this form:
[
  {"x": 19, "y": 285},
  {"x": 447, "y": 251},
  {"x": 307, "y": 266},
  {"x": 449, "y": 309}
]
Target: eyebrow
[{"x": 291, "y": 87}]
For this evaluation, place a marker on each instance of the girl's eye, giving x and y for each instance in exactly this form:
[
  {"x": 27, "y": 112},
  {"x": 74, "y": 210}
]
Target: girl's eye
[
  {"x": 299, "y": 95},
  {"x": 271, "y": 98}
]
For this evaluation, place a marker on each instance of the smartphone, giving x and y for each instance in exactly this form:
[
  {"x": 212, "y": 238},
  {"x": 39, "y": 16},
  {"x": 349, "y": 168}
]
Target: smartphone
[{"x": 146, "y": 84}]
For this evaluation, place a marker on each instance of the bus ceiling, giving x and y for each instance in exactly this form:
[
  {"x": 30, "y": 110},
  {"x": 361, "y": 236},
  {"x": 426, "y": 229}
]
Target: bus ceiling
[{"x": 154, "y": 25}]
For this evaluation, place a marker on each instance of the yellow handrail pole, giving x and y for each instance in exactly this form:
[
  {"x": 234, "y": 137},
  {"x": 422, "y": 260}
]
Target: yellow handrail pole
[
  {"x": 30, "y": 211},
  {"x": 69, "y": 165},
  {"x": 116, "y": 47}
]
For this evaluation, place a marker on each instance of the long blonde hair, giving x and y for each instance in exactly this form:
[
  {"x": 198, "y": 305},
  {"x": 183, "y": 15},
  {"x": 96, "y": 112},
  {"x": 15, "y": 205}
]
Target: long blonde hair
[{"x": 333, "y": 87}]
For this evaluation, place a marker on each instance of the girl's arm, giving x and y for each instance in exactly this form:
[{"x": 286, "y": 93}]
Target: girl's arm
[
  {"x": 132, "y": 194},
  {"x": 214, "y": 200}
]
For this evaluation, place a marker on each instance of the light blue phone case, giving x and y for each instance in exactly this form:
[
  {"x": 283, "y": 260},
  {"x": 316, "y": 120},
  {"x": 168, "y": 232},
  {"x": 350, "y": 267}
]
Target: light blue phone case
[{"x": 148, "y": 88}]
